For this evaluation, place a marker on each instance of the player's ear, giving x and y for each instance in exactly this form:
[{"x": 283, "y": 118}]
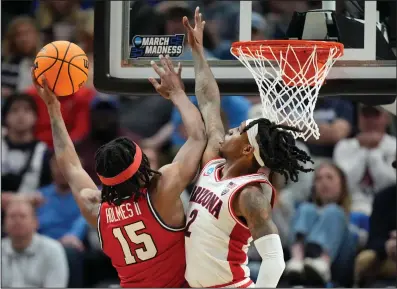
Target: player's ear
[{"x": 248, "y": 149}]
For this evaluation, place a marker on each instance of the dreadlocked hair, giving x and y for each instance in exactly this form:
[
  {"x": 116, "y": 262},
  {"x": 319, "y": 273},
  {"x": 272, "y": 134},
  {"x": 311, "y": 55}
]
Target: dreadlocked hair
[
  {"x": 278, "y": 149},
  {"x": 113, "y": 158}
]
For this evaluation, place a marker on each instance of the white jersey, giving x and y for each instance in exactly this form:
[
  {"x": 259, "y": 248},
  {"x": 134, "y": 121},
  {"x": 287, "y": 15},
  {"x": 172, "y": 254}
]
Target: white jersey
[{"x": 216, "y": 240}]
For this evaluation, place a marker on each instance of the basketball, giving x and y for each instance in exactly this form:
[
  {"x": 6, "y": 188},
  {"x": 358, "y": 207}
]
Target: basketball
[{"x": 64, "y": 64}]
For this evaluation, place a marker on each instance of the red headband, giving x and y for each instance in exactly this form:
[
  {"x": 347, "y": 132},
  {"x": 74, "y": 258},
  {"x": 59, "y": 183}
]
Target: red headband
[{"x": 127, "y": 173}]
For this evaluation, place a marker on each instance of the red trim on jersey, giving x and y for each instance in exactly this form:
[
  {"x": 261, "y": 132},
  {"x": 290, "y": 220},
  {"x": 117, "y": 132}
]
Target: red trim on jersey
[
  {"x": 236, "y": 256},
  {"x": 99, "y": 223},
  {"x": 239, "y": 188},
  {"x": 218, "y": 177},
  {"x": 127, "y": 173}
]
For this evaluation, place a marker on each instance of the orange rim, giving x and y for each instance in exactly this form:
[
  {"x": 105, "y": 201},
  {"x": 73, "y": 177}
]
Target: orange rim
[{"x": 271, "y": 49}]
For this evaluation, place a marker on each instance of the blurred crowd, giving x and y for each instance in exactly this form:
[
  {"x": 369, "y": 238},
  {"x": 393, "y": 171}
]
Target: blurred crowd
[{"x": 337, "y": 224}]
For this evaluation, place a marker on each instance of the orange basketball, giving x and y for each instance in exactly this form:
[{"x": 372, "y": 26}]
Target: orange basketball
[{"x": 65, "y": 66}]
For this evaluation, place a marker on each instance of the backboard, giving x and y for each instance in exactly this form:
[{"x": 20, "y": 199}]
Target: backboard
[{"x": 366, "y": 72}]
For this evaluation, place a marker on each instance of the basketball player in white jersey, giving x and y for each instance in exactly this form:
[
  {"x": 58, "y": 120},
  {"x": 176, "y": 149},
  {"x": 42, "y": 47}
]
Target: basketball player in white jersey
[{"x": 231, "y": 202}]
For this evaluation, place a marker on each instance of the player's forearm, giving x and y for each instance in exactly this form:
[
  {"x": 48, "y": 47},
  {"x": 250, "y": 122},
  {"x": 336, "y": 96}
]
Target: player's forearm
[
  {"x": 191, "y": 116},
  {"x": 65, "y": 152},
  {"x": 208, "y": 97},
  {"x": 270, "y": 249},
  {"x": 207, "y": 90}
]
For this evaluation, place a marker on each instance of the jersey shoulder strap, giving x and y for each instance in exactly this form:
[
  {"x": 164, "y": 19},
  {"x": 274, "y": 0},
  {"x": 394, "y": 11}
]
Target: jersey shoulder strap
[{"x": 209, "y": 167}]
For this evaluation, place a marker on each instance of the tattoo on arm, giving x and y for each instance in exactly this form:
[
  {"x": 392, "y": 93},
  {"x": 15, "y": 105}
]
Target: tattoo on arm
[
  {"x": 256, "y": 209},
  {"x": 58, "y": 134},
  {"x": 63, "y": 145},
  {"x": 208, "y": 97},
  {"x": 69, "y": 164}
]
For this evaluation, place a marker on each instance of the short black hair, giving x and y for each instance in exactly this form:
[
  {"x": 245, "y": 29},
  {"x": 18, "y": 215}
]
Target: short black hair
[
  {"x": 278, "y": 149},
  {"x": 113, "y": 158},
  {"x": 10, "y": 100}
]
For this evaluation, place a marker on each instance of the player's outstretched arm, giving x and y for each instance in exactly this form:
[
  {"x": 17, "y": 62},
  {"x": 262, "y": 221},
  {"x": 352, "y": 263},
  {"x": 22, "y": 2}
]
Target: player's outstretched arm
[
  {"x": 84, "y": 189},
  {"x": 255, "y": 208},
  {"x": 207, "y": 91},
  {"x": 179, "y": 174}
]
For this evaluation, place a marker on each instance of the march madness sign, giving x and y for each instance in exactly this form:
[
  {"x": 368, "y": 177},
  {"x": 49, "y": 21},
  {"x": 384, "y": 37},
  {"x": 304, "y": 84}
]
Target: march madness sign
[{"x": 151, "y": 46}]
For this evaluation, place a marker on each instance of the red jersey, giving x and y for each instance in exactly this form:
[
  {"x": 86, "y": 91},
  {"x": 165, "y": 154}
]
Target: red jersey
[{"x": 144, "y": 251}]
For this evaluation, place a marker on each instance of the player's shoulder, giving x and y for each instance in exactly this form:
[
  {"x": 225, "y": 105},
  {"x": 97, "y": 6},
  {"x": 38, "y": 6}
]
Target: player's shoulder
[
  {"x": 256, "y": 192},
  {"x": 257, "y": 188},
  {"x": 171, "y": 168}
]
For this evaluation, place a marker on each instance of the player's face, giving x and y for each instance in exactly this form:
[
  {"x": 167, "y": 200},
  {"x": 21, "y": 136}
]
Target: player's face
[
  {"x": 20, "y": 117},
  {"x": 235, "y": 143},
  {"x": 327, "y": 184}
]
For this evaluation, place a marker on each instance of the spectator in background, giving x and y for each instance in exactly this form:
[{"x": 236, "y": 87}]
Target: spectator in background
[
  {"x": 20, "y": 46},
  {"x": 153, "y": 157},
  {"x": 60, "y": 219},
  {"x": 259, "y": 31},
  {"x": 173, "y": 12},
  {"x": 278, "y": 14},
  {"x": 12, "y": 9},
  {"x": 144, "y": 20},
  {"x": 75, "y": 111},
  {"x": 378, "y": 261},
  {"x": 145, "y": 116},
  {"x": 58, "y": 20},
  {"x": 234, "y": 108},
  {"x": 259, "y": 27},
  {"x": 366, "y": 158},
  {"x": 320, "y": 231},
  {"x": 219, "y": 16},
  {"x": 104, "y": 127},
  {"x": 334, "y": 118},
  {"x": 85, "y": 39},
  {"x": 24, "y": 161},
  {"x": 29, "y": 259}
]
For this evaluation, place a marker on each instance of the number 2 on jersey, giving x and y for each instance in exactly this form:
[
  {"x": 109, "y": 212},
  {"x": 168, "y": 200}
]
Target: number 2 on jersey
[
  {"x": 192, "y": 216},
  {"x": 148, "y": 252}
]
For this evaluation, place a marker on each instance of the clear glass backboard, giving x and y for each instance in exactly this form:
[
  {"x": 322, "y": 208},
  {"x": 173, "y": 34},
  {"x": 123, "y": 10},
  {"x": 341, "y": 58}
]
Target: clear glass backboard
[{"x": 366, "y": 72}]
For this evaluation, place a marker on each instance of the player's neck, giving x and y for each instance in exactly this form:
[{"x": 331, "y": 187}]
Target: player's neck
[
  {"x": 20, "y": 137},
  {"x": 234, "y": 169}
]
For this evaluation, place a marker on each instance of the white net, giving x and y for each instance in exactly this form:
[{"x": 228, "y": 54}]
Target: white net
[{"x": 288, "y": 98}]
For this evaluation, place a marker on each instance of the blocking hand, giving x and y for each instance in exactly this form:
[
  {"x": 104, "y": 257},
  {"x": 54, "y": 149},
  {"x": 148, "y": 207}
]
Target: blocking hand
[
  {"x": 170, "y": 80},
  {"x": 195, "y": 35}
]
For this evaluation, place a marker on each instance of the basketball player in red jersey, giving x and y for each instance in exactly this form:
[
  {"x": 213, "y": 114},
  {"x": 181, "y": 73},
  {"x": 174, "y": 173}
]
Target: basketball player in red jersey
[
  {"x": 231, "y": 203},
  {"x": 141, "y": 217}
]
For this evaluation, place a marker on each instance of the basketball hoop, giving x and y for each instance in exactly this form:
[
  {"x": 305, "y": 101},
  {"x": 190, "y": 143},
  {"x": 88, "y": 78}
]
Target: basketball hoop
[{"x": 289, "y": 75}]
